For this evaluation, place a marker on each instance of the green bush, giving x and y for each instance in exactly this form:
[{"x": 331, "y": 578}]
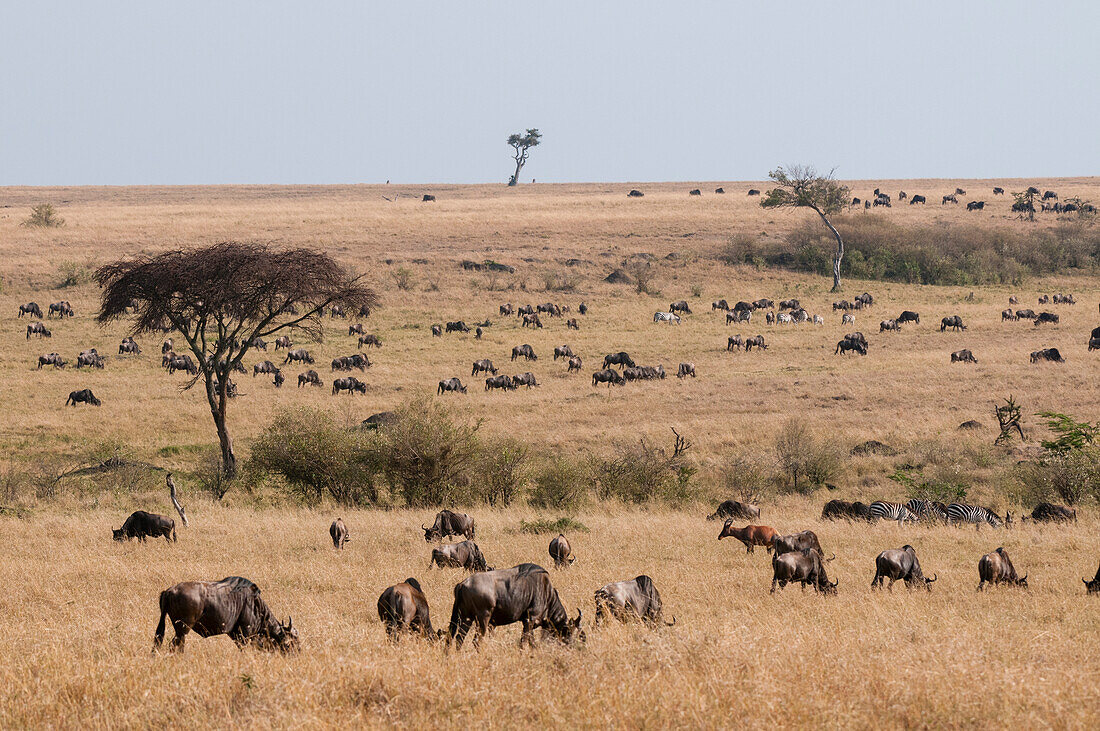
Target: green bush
[
  {"x": 502, "y": 472},
  {"x": 545, "y": 525},
  {"x": 919, "y": 488},
  {"x": 45, "y": 216},
  {"x": 807, "y": 462},
  {"x": 559, "y": 484},
  {"x": 73, "y": 274},
  {"x": 641, "y": 472}
]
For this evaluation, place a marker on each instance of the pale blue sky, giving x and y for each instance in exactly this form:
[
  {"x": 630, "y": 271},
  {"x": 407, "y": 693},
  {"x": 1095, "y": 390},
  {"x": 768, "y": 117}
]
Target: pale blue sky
[{"x": 342, "y": 92}]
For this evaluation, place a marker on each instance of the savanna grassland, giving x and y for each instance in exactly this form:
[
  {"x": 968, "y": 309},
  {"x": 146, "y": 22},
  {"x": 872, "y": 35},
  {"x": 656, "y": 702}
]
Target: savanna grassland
[{"x": 79, "y": 610}]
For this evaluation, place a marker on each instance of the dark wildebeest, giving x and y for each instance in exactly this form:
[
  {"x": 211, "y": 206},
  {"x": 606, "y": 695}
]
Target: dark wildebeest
[
  {"x": 571, "y": 324},
  {"x": 1033, "y": 190},
  {"x": 621, "y": 359},
  {"x": 522, "y": 593},
  {"x": 805, "y": 540},
  {"x": 635, "y": 194},
  {"x": 1093, "y": 587},
  {"x": 1008, "y": 315},
  {"x": 62, "y": 309},
  {"x": 637, "y": 599},
  {"x": 279, "y": 379},
  {"x": 524, "y": 379},
  {"x": 695, "y": 191},
  {"x": 347, "y": 362},
  {"x": 404, "y": 608},
  {"x": 90, "y": 358},
  {"x": 1094, "y": 344},
  {"x": 298, "y": 354},
  {"x": 356, "y": 329},
  {"x": 719, "y": 305},
  {"x": 900, "y": 563},
  {"x": 563, "y": 351},
  {"x": 502, "y": 382},
  {"x": 908, "y": 316},
  {"x": 561, "y": 552},
  {"x": 428, "y": 198},
  {"x": 763, "y": 303},
  {"x": 845, "y": 345},
  {"x": 739, "y": 316},
  {"x": 451, "y": 384},
  {"x": 755, "y": 342},
  {"x": 336, "y": 311},
  {"x": 231, "y": 607},
  {"x": 856, "y": 202},
  {"x": 918, "y": 199},
  {"x": 735, "y": 509},
  {"x": 998, "y": 191},
  {"x": 1013, "y": 300},
  {"x": 309, "y": 377},
  {"x": 735, "y": 341},
  {"x": 483, "y": 366},
  {"x": 166, "y": 347},
  {"x": 265, "y": 367},
  {"x": 174, "y": 362},
  {"x": 351, "y": 384},
  {"x": 686, "y": 369},
  {"x": 31, "y": 308},
  {"x": 83, "y": 396},
  {"x": 963, "y": 356},
  {"x": 902, "y": 196},
  {"x": 750, "y": 535},
  {"x": 949, "y": 199},
  {"x": 1025, "y": 314},
  {"x": 681, "y": 306},
  {"x": 791, "y": 304},
  {"x": 1050, "y": 195},
  {"x": 141, "y": 525},
  {"x": 39, "y": 329},
  {"x": 836, "y": 509},
  {"x": 754, "y": 191},
  {"x": 370, "y": 340},
  {"x": 532, "y": 321},
  {"x": 1046, "y": 317},
  {"x": 53, "y": 359},
  {"x": 975, "y": 205},
  {"x": 462, "y": 555},
  {"x": 952, "y": 321},
  {"x": 719, "y": 191},
  {"x": 447, "y": 524},
  {"x": 997, "y": 568},
  {"x": 339, "y": 533},
  {"x": 1051, "y": 513},
  {"x": 1048, "y": 354},
  {"x": 128, "y": 346},
  {"x": 1044, "y": 299},
  {"x": 458, "y": 326},
  {"x": 806, "y": 567},
  {"x": 583, "y": 308},
  {"x": 258, "y": 343},
  {"x": 960, "y": 191},
  {"x": 608, "y": 376},
  {"x": 507, "y": 309},
  {"x": 524, "y": 351},
  {"x": 437, "y": 331},
  {"x": 575, "y": 364},
  {"x": 886, "y": 325}
]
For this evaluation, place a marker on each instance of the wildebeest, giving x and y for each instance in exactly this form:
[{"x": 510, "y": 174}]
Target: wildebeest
[
  {"x": 686, "y": 369},
  {"x": 963, "y": 356},
  {"x": 908, "y": 316},
  {"x": 856, "y": 202},
  {"x": 997, "y": 568},
  {"x": 563, "y": 351},
  {"x": 621, "y": 359},
  {"x": 681, "y": 306},
  {"x": 356, "y": 329},
  {"x": 141, "y": 525},
  {"x": 719, "y": 191},
  {"x": 524, "y": 379},
  {"x": 960, "y": 191},
  {"x": 370, "y": 340},
  {"x": 918, "y": 199},
  {"x": 404, "y": 608},
  {"x": 735, "y": 509},
  {"x": 608, "y": 376},
  {"x": 882, "y": 200},
  {"x": 949, "y": 199},
  {"x": 279, "y": 379},
  {"x": 756, "y": 341},
  {"x": 1025, "y": 314},
  {"x": 83, "y": 396},
  {"x": 1050, "y": 317},
  {"x": 802, "y": 541},
  {"x": 1094, "y": 344},
  {"x": 739, "y": 316},
  {"x": 506, "y": 308},
  {"x": 451, "y": 384},
  {"x": 265, "y": 367},
  {"x": 1051, "y": 513},
  {"x": 483, "y": 366},
  {"x": 339, "y": 534},
  {"x": 347, "y": 362},
  {"x": 39, "y": 329},
  {"x": 309, "y": 377},
  {"x": 575, "y": 364},
  {"x": 635, "y": 193},
  {"x": 351, "y": 384},
  {"x": 532, "y": 321},
  {"x": 791, "y": 304},
  {"x": 300, "y": 355},
  {"x": 902, "y": 196},
  {"x": 1008, "y": 315},
  {"x": 754, "y": 191},
  {"x": 561, "y": 552},
  {"x": 846, "y": 345},
  {"x": 750, "y": 535},
  {"x": 231, "y": 607},
  {"x": 175, "y": 362},
  {"x": 166, "y": 346},
  {"x": 128, "y": 346},
  {"x": 524, "y": 351},
  {"x": 836, "y": 509},
  {"x": 719, "y": 305},
  {"x": 522, "y": 593},
  {"x": 457, "y": 326},
  {"x": 582, "y": 308},
  {"x": 53, "y": 359},
  {"x": 695, "y": 191},
  {"x": 886, "y": 325},
  {"x": 1049, "y": 195},
  {"x": 428, "y": 198},
  {"x": 1033, "y": 190},
  {"x": 735, "y": 341},
  {"x": 666, "y": 317},
  {"x": 502, "y": 382},
  {"x": 448, "y": 523},
  {"x": 1048, "y": 354},
  {"x": 30, "y": 308},
  {"x": 437, "y": 331},
  {"x": 762, "y": 304},
  {"x": 636, "y": 599},
  {"x": 998, "y": 191},
  {"x": 805, "y": 566},
  {"x": 62, "y": 309},
  {"x": 900, "y": 563},
  {"x": 975, "y": 205},
  {"x": 462, "y": 555},
  {"x": 571, "y": 324}
]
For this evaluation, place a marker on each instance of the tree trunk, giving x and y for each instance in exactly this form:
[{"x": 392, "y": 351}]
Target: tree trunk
[
  {"x": 839, "y": 255},
  {"x": 217, "y": 410},
  {"x": 515, "y": 176}
]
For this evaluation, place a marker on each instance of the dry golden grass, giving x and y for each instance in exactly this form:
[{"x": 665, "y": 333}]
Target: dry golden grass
[{"x": 79, "y": 610}]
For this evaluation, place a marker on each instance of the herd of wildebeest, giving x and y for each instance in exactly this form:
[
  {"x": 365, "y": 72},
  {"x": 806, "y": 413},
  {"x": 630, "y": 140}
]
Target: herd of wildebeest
[{"x": 524, "y": 593}]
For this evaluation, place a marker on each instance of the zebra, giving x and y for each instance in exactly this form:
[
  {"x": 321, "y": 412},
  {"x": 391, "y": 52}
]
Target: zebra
[
  {"x": 891, "y": 511},
  {"x": 927, "y": 509},
  {"x": 975, "y": 514}
]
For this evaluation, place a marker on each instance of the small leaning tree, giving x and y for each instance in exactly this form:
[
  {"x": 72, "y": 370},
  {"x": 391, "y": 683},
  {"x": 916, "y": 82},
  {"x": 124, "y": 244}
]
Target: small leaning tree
[
  {"x": 802, "y": 187},
  {"x": 220, "y": 298},
  {"x": 521, "y": 145}
]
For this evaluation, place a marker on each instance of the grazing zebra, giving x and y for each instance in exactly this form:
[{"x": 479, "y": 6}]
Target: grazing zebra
[
  {"x": 891, "y": 511},
  {"x": 974, "y": 514},
  {"x": 927, "y": 509}
]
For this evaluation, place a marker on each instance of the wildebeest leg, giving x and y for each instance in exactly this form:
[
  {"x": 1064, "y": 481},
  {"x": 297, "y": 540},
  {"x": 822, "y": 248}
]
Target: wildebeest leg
[
  {"x": 876, "y": 583},
  {"x": 482, "y": 628},
  {"x": 774, "y": 581},
  {"x": 981, "y": 584},
  {"x": 890, "y": 586},
  {"x": 181, "y": 629},
  {"x": 141, "y": 538}
]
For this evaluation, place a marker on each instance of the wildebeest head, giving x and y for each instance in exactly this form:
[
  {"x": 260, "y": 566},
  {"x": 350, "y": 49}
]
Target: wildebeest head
[
  {"x": 1093, "y": 587},
  {"x": 117, "y": 534}
]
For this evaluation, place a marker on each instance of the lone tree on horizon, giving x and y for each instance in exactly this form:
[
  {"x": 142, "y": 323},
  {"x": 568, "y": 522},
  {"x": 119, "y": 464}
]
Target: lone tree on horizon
[
  {"x": 801, "y": 187},
  {"x": 221, "y": 298},
  {"x": 522, "y": 145}
]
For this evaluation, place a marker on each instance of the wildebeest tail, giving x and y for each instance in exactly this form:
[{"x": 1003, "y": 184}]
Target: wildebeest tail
[
  {"x": 174, "y": 538},
  {"x": 158, "y": 637}
]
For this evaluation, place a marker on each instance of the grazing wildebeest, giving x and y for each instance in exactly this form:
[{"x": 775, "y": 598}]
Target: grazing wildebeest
[
  {"x": 1048, "y": 354},
  {"x": 769, "y": 317},
  {"x": 563, "y": 351},
  {"x": 686, "y": 369},
  {"x": 53, "y": 359},
  {"x": 524, "y": 379},
  {"x": 803, "y": 541},
  {"x": 1008, "y": 315},
  {"x": 608, "y": 376},
  {"x": 719, "y": 305},
  {"x": 1013, "y": 299},
  {"x": 83, "y": 396},
  {"x": 960, "y": 191},
  {"x": 1049, "y": 195},
  {"x": 265, "y": 367},
  {"x": 298, "y": 354},
  {"x": 963, "y": 356},
  {"x": 846, "y": 345},
  {"x": 166, "y": 347},
  {"x": 949, "y": 199},
  {"x": 997, "y": 568},
  {"x": 739, "y": 316},
  {"x": 575, "y": 364},
  {"x": 1033, "y": 190},
  {"x": 762, "y": 304},
  {"x": 908, "y": 316},
  {"x": 351, "y": 384},
  {"x": 998, "y": 191},
  {"x": 231, "y": 607},
  {"x": 695, "y": 191},
  {"x": 483, "y": 366},
  {"x": 791, "y": 304},
  {"x": 666, "y": 317},
  {"x": 735, "y": 509},
  {"x": 448, "y": 523},
  {"x": 524, "y": 351},
  {"x": 1051, "y": 513},
  {"x": 882, "y": 200},
  {"x": 61, "y": 309},
  {"x": 404, "y": 608},
  {"x": 856, "y": 202},
  {"x": 735, "y": 341},
  {"x": 561, "y": 552},
  {"x": 462, "y": 555},
  {"x": 39, "y": 329},
  {"x": 975, "y": 205},
  {"x": 502, "y": 382},
  {"x": 128, "y": 346},
  {"x": 437, "y": 331},
  {"x": 1093, "y": 587},
  {"x": 621, "y": 359},
  {"x": 336, "y": 311},
  {"x": 141, "y": 525},
  {"x": 279, "y": 379},
  {"x": 451, "y": 384},
  {"x": 309, "y": 377},
  {"x": 174, "y": 362},
  {"x": 370, "y": 340},
  {"x": 1094, "y": 344},
  {"x": 719, "y": 191},
  {"x": 755, "y": 342},
  {"x": 637, "y": 599},
  {"x": 582, "y": 308},
  {"x": 681, "y": 306},
  {"x": 356, "y": 329},
  {"x": 902, "y": 196},
  {"x": 836, "y": 509},
  {"x": 750, "y": 535},
  {"x": 754, "y": 191},
  {"x": 1046, "y": 317},
  {"x": 918, "y": 199},
  {"x": 428, "y": 198},
  {"x": 1025, "y": 314},
  {"x": 635, "y": 194},
  {"x": 522, "y": 593},
  {"x": 805, "y": 566},
  {"x": 507, "y": 309},
  {"x": 900, "y": 563},
  {"x": 571, "y": 324},
  {"x": 31, "y": 308},
  {"x": 532, "y": 321},
  {"x": 339, "y": 534},
  {"x": 458, "y": 326}
]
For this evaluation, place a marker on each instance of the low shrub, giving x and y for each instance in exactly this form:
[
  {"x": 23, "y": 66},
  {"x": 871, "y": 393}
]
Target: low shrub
[
  {"x": 564, "y": 524},
  {"x": 559, "y": 484}
]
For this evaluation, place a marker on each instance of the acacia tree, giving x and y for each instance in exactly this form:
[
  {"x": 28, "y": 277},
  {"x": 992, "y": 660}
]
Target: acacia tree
[
  {"x": 220, "y": 298},
  {"x": 522, "y": 145},
  {"x": 802, "y": 187}
]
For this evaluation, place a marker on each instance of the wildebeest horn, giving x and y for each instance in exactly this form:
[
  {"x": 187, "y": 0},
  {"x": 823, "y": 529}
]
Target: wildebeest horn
[
  {"x": 289, "y": 622},
  {"x": 423, "y": 527},
  {"x": 934, "y": 577},
  {"x": 672, "y": 623},
  {"x": 578, "y": 615},
  {"x": 836, "y": 583},
  {"x": 830, "y": 559}
]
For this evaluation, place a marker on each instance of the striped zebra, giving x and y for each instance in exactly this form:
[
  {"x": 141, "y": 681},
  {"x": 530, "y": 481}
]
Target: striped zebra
[
  {"x": 973, "y": 514},
  {"x": 927, "y": 509},
  {"x": 891, "y": 511}
]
